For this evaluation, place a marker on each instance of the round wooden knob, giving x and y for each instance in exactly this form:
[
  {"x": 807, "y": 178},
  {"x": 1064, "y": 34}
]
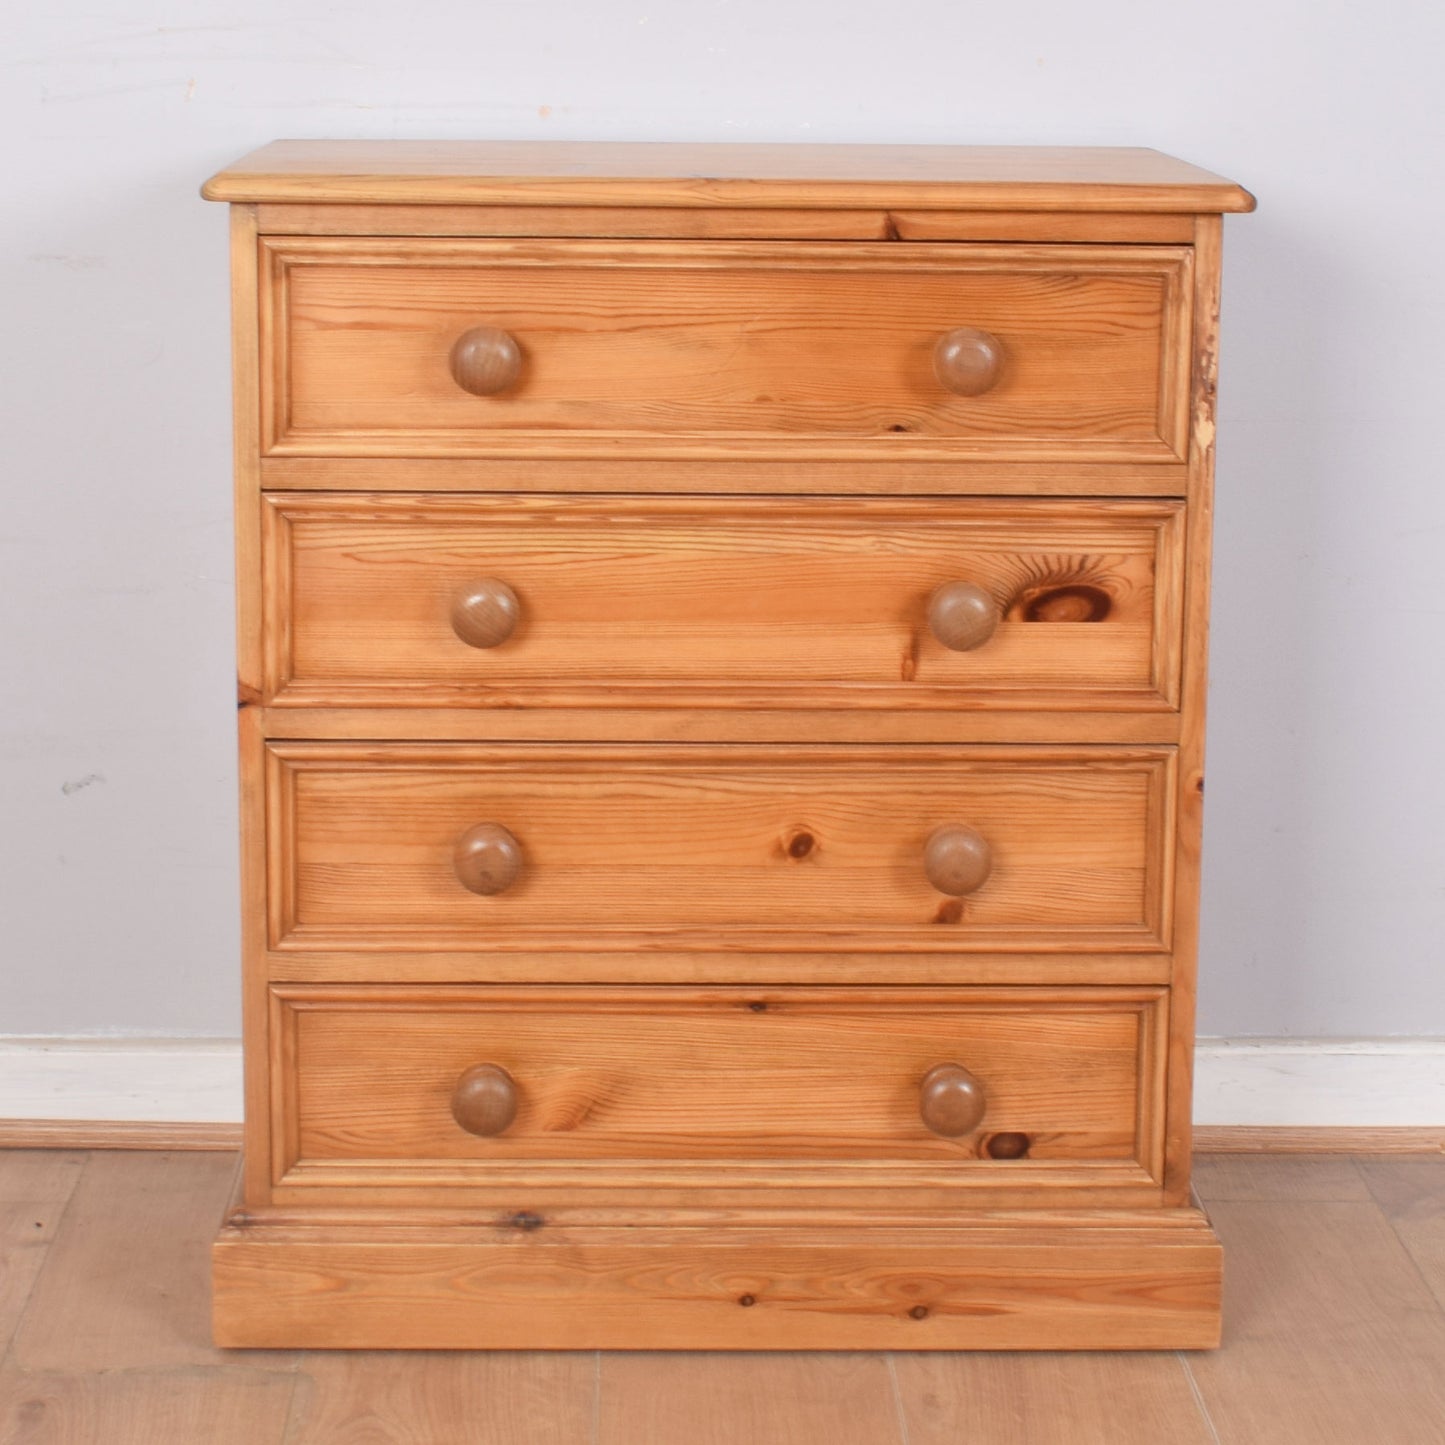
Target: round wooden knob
[
  {"x": 951, "y": 1101},
  {"x": 968, "y": 362},
  {"x": 957, "y": 859},
  {"x": 485, "y": 360},
  {"x": 962, "y": 616},
  {"x": 485, "y": 1100},
  {"x": 485, "y": 613},
  {"x": 488, "y": 859}
]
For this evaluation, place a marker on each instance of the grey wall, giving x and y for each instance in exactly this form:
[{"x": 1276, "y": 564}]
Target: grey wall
[{"x": 1325, "y": 871}]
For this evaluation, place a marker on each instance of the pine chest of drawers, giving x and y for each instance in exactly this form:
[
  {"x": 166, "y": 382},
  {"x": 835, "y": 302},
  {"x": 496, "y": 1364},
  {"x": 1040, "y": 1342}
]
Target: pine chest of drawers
[{"x": 721, "y": 698}]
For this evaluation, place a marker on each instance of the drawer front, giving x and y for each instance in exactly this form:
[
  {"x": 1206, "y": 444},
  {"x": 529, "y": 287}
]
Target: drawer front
[
  {"x": 697, "y": 348},
  {"x": 988, "y": 1080},
  {"x": 735, "y": 604},
  {"x": 630, "y": 847}
]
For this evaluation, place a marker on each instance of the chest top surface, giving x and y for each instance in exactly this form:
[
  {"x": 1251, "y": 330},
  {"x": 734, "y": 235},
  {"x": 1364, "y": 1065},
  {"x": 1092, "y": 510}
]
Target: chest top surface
[{"x": 1041, "y": 178}]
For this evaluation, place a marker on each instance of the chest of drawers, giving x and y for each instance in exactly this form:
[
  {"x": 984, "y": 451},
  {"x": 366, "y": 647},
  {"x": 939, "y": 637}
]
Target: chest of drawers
[{"x": 721, "y": 709}]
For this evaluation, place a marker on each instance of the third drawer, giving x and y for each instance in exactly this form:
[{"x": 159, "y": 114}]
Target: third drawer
[{"x": 689, "y": 847}]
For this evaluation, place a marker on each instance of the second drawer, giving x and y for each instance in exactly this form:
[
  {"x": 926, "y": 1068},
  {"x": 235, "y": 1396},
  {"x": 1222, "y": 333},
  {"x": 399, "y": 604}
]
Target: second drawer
[
  {"x": 913, "y": 849},
  {"x": 481, "y": 601}
]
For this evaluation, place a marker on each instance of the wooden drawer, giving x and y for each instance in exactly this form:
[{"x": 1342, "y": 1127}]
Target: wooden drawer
[
  {"x": 727, "y": 603},
  {"x": 719, "y": 1081},
  {"x": 701, "y": 348},
  {"x": 637, "y": 846}
]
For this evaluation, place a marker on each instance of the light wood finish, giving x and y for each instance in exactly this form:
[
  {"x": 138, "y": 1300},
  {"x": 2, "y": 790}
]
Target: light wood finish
[
  {"x": 716, "y": 725},
  {"x": 117, "y": 1134},
  {"x": 719, "y": 540},
  {"x": 803, "y": 475},
  {"x": 1318, "y": 1139},
  {"x": 1140, "y": 1284},
  {"x": 234, "y": 1405},
  {"x": 1095, "y": 226},
  {"x": 38, "y": 1176},
  {"x": 664, "y": 1077},
  {"x": 1209, "y": 1139},
  {"x": 1314, "y": 1360},
  {"x": 813, "y": 849},
  {"x": 26, "y": 1231},
  {"x": 100, "y": 1304},
  {"x": 758, "y": 1398},
  {"x": 706, "y": 348},
  {"x": 742, "y": 605},
  {"x": 1337, "y": 1338},
  {"x": 659, "y": 173},
  {"x": 1411, "y": 1193},
  {"x": 1279, "y": 1177},
  {"x": 733, "y": 223},
  {"x": 506, "y": 1398},
  {"x": 1083, "y": 1399}
]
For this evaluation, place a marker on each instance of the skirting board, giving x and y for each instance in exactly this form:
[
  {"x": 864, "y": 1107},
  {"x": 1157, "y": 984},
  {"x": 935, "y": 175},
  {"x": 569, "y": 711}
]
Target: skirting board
[{"x": 1249, "y": 1093}]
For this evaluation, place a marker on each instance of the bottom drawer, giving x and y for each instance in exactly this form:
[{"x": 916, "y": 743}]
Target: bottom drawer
[{"x": 707, "y": 1087}]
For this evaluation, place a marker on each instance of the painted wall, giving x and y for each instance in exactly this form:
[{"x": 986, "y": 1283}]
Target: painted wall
[{"x": 1325, "y": 869}]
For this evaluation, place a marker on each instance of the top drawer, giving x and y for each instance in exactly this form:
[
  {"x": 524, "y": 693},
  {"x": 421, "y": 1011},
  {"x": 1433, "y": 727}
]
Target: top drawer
[{"x": 833, "y": 350}]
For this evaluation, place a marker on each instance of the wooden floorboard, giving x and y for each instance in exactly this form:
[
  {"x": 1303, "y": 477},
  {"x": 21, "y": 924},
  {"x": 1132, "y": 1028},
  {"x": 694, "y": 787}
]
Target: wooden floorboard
[
  {"x": 1334, "y": 1335},
  {"x": 125, "y": 1285},
  {"x": 1084, "y": 1399},
  {"x": 1412, "y": 1194},
  {"x": 1323, "y": 1177},
  {"x": 33, "y": 1175},
  {"x": 35, "y": 1188},
  {"x": 425, "y": 1399},
  {"x": 221, "y": 1405},
  {"x": 747, "y": 1399}
]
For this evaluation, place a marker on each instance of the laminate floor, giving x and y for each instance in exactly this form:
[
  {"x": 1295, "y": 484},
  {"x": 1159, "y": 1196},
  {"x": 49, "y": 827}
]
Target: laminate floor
[{"x": 1334, "y": 1335}]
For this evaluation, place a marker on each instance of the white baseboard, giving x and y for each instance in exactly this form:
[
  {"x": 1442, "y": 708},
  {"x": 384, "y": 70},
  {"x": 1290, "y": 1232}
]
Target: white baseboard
[{"x": 1339, "y": 1083}]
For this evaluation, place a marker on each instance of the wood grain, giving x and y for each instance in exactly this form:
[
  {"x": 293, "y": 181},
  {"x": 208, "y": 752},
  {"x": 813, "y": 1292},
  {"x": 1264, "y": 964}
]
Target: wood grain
[
  {"x": 702, "y": 347},
  {"x": 708, "y": 1399},
  {"x": 1332, "y": 1336},
  {"x": 803, "y": 476},
  {"x": 168, "y": 1134},
  {"x": 1145, "y": 1283},
  {"x": 734, "y": 223},
  {"x": 732, "y": 604},
  {"x": 1411, "y": 1192},
  {"x": 230, "y": 1406},
  {"x": 813, "y": 849},
  {"x": 1220, "y": 1177},
  {"x": 466, "y": 172},
  {"x": 35, "y": 1176},
  {"x": 1082, "y": 1399},
  {"x": 657, "y": 222},
  {"x": 668, "y": 1075},
  {"x": 116, "y": 1292},
  {"x": 1187, "y": 839},
  {"x": 716, "y": 725},
  {"x": 425, "y": 1399},
  {"x": 26, "y": 1232}
]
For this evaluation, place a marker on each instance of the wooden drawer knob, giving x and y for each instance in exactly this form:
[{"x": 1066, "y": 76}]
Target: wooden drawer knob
[
  {"x": 951, "y": 1101},
  {"x": 485, "y": 613},
  {"x": 962, "y": 616},
  {"x": 485, "y": 1100},
  {"x": 957, "y": 859},
  {"x": 488, "y": 859},
  {"x": 485, "y": 360},
  {"x": 968, "y": 362}
]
